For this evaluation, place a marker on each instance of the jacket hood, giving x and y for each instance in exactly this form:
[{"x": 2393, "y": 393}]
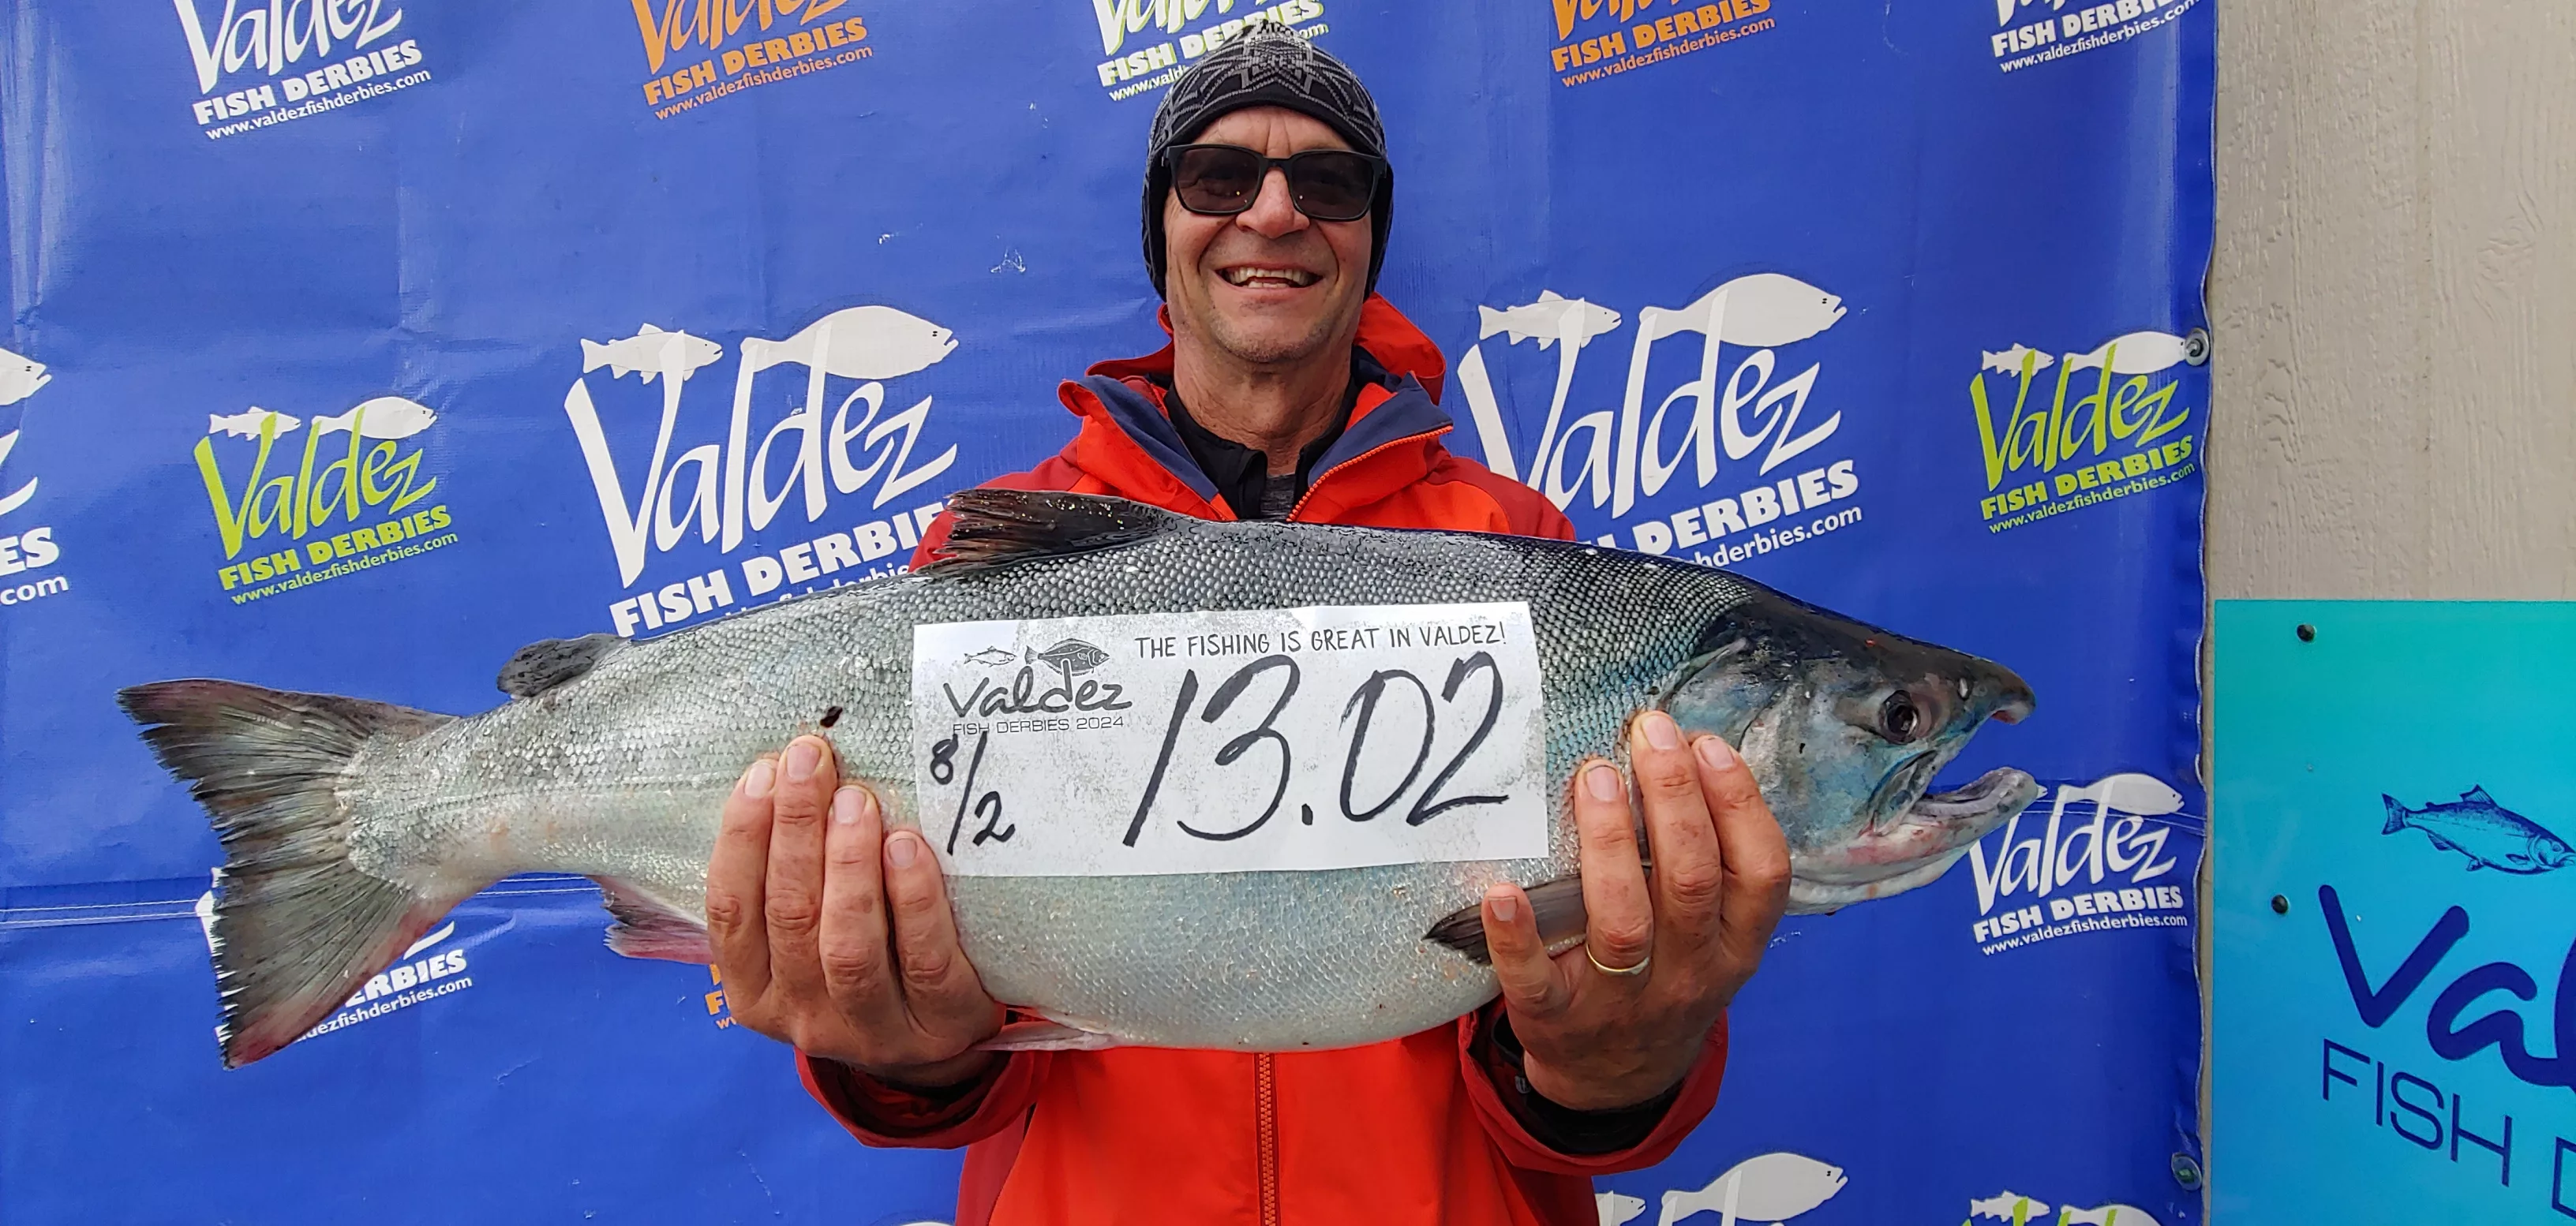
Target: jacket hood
[{"x": 1128, "y": 441}]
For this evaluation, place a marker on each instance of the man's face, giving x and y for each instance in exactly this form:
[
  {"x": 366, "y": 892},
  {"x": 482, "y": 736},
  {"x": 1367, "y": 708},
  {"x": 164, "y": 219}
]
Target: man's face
[{"x": 1268, "y": 286}]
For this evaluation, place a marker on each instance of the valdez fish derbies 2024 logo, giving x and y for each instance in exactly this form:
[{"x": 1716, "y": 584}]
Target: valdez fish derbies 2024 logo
[
  {"x": 1140, "y": 62},
  {"x": 700, "y": 50},
  {"x": 837, "y": 438},
  {"x": 259, "y": 65},
  {"x": 24, "y": 548},
  {"x": 2101, "y": 860},
  {"x": 1749, "y": 439},
  {"x": 355, "y": 495},
  {"x": 2066, "y": 27},
  {"x": 2050, "y": 457},
  {"x": 1599, "y": 39}
]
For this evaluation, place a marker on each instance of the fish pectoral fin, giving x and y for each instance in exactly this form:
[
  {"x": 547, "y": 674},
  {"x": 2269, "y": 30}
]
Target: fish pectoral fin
[
  {"x": 996, "y": 527},
  {"x": 547, "y": 663},
  {"x": 647, "y": 928},
  {"x": 1043, "y": 1034},
  {"x": 1556, "y": 905}
]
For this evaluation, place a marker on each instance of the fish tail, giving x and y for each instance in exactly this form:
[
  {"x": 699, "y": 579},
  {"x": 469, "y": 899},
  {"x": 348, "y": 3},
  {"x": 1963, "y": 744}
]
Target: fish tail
[
  {"x": 298, "y": 927},
  {"x": 1557, "y": 906},
  {"x": 2396, "y": 814},
  {"x": 1488, "y": 322},
  {"x": 593, "y": 356}
]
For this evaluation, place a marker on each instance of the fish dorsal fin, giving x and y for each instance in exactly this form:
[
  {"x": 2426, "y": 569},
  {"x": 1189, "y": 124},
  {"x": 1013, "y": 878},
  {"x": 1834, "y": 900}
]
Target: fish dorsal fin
[
  {"x": 648, "y": 330},
  {"x": 547, "y": 663},
  {"x": 993, "y": 527},
  {"x": 2477, "y": 795}
]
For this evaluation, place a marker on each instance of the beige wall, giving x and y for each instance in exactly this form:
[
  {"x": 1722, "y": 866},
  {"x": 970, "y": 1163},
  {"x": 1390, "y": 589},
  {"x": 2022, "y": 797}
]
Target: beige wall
[{"x": 2394, "y": 300}]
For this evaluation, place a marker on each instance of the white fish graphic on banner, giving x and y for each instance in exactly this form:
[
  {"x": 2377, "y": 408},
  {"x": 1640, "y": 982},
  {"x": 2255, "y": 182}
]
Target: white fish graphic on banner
[
  {"x": 651, "y": 351},
  {"x": 2008, "y": 362},
  {"x": 382, "y": 417},
  {"x": 2108, "y": 1215},
  {"x": 860, "y": 342},
  {"x": 1617, "y": 1207},
  {"x": 20, "y": 377},
  {"x": 1764, "y": 1188},
  {"x": 1547, "y": 319},
  {"x": 246, "y": 424},
  {"x": 2009, "y": 1207},
  {"x": 1768, "y": 309},
  {"x": 2138, "y": 353}
]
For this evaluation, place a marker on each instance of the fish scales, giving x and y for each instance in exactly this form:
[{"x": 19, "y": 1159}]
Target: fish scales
[
  {"x": 556, "y": 784},
  {"x": 352, "y": 826}
]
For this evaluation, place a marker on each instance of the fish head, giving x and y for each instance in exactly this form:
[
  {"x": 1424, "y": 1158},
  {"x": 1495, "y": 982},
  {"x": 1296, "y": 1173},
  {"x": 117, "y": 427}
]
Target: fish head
[{"x": 1844, "y": 726}]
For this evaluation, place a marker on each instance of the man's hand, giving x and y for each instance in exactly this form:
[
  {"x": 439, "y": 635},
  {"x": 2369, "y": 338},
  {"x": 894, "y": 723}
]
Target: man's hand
[
  {"x": 1593, "y": 1041},
  {"x": 835, "y": 936}
]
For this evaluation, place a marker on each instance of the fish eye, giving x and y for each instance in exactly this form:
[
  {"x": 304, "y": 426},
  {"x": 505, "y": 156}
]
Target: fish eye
[{"x": 1899, "y": 720}]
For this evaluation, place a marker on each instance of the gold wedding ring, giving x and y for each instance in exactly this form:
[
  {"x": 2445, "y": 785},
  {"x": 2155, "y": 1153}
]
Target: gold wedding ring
[{"x": 1616, "y": 971}]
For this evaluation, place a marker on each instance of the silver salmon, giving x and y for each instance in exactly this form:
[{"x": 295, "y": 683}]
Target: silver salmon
[{"x": 350, "y": 827}]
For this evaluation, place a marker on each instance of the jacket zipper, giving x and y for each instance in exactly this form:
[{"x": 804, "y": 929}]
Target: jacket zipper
[
  {"x": 1265, "y": 1107},
  {"x": 1318, "y": 482}
]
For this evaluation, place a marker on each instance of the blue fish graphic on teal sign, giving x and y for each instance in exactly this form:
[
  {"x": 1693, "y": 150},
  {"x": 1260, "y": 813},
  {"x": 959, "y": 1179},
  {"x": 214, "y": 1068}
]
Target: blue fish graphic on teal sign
[{"x": 2490, "y": 835}]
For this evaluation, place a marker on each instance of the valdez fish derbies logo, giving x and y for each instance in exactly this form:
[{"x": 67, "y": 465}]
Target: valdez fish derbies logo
[
  {"x": 2047, "y": 457},
  {"x": 837, "y": 438},
  {"x": 1752, "y": 440},
  {"x": 700, "y": 50},
  {"x": 1599, "y": 39},
  {"x": 264, "y": 64},
  {"x": 2100, "y": 861},
  {"x": 24, "y": 548},
  {"x": 355, "y": 495},
  {"x": 1149, "y": 43},
  {"x": 2031, "y": 32}
]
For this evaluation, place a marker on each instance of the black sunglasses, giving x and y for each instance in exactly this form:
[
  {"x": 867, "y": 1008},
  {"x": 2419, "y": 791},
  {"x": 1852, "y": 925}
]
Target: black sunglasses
[{"x": 1326, "y": 184}]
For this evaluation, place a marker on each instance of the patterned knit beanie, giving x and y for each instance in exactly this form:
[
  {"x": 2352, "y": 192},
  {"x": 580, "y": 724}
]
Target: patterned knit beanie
[{"x": 1267, "y": 65}]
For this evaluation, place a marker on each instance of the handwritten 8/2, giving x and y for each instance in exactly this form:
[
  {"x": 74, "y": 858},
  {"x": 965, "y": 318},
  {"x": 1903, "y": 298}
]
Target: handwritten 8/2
[{"x": 1390, "y": 703}]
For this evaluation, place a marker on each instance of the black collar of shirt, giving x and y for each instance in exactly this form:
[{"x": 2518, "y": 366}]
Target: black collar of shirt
[{"x": 1242, "y": 474}]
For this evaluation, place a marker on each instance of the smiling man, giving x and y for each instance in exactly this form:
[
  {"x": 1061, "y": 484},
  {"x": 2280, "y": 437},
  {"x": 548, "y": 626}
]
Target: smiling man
[{"x": 1289, "y": 391}]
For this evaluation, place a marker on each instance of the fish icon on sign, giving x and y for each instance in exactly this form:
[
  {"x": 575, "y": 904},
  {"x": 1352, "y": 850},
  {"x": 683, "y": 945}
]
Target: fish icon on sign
[
  {"x": 247, "y": 423},
  {"x": 383, "y": 417},
  {"x": 2010, "y": 1207},
  {"x": 991, "y": 657},
  {"x": 20, "y": 377},
  {"x": 651, "y": 351},
  {"x": 1547, "y": 319},
  {"x": 1764, "y": 1188},
  {"x": 860, "y": 342},
  {"x": 2107, "y": 1215},
  {"x": 2137, "y": 353},
  {"x": 2489, "y": 834},
  {"x": 2008, "y": 361},
  {"x": 1767, "y": 309},
  {"x": 1617, "y": 1207}
]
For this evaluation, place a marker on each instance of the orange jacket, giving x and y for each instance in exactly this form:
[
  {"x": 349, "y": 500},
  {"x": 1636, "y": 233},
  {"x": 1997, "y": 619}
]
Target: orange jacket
[{"x": 1417, "y": 1131}]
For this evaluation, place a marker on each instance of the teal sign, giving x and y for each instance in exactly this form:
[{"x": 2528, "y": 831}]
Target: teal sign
[{"x": 2395, "y": 915}]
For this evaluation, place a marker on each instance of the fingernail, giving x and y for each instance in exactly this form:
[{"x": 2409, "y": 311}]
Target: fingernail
[
  {"x": 1714, "y": 751},
  {"x": 1603, "y": 781},
  {"x": 1660, "y": 730},
  {"x": 902, "y": 848},
  {"x": 757, "y": 781},
  {"x": 846, "y": 804},
  {"x": 802, "y": 757},
  {"x": 1504, "y": 907}
]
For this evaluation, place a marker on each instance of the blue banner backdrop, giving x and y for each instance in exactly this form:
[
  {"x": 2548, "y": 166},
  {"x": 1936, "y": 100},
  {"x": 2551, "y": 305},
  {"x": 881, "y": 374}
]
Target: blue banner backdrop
[{"x": 1955, "y": 388}]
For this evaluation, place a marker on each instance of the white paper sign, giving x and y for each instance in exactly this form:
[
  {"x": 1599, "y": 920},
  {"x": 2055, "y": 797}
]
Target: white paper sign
[{"x": 1261, "y": 740}]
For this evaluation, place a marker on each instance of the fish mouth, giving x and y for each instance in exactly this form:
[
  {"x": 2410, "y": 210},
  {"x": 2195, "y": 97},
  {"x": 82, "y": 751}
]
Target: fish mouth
[{"x": 1928, "y": 836}]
